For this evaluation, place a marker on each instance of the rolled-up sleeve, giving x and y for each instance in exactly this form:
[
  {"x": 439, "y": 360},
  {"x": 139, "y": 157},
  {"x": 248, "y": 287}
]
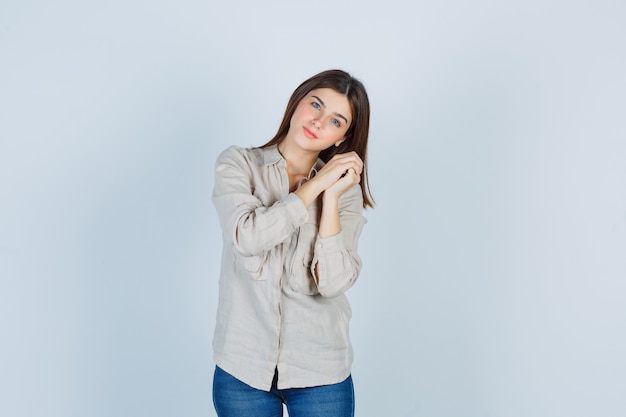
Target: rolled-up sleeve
[
  {"x": 252, "y": 227},
  {"x": 336, "y": 257}
]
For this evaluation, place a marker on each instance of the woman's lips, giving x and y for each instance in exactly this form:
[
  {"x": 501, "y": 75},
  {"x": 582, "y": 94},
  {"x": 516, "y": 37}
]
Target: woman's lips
[{"x": 309, "y": 134}]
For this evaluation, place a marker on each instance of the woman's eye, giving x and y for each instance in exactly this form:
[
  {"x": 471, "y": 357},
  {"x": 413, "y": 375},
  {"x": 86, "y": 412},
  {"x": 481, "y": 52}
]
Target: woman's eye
[
  {"x": 316, "y": 105},
  {"x": 336, "y": 122}
]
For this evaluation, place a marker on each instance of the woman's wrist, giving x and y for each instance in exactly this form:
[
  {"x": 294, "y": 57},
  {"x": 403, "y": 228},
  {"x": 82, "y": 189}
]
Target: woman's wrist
[
  {"x": 329, "y": 199},
  {"x": 308, "y": 192},
  {"x": 334, "y": 193},
  {"x": 329, "y": 222}
]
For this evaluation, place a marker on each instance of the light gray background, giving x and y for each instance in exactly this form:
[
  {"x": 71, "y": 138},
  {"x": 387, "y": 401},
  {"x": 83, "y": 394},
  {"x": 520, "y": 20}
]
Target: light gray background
[{"x": 495, "y": 262}]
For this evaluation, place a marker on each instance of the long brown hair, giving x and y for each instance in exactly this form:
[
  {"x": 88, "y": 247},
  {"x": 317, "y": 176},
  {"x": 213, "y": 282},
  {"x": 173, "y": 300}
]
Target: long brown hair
[{"x": 358, "y": 132}]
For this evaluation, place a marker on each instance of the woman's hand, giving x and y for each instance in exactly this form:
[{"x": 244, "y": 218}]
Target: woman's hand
[
  {"x": 343, "y": 170},
  {"x": 334, "y": 179},
  {"x": 342, "y": 185}
]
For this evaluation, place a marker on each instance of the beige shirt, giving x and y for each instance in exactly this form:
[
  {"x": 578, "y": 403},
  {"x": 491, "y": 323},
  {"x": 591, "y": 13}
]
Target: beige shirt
[{"x": 271, "y": 313}]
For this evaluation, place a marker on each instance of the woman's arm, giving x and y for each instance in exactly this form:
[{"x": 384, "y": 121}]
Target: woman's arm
[
  {"x": 252, "y": 227},
  {"x": 336, "y": 263},
  {"x": 330, "y": 223}
]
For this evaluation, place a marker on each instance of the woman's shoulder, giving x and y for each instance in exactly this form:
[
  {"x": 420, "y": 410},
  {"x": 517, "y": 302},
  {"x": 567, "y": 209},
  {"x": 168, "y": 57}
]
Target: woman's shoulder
[
  {"x": 233, "y": 151},
  {"x": 240, "y": 155}
]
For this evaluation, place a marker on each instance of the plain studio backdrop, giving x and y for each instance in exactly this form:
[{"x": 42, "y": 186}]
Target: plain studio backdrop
[{"x": 494, "y": 279}]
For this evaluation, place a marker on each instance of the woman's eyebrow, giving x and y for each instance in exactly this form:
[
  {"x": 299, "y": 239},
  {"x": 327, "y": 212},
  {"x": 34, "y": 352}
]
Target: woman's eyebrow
[{"x": 336, "y": 114}]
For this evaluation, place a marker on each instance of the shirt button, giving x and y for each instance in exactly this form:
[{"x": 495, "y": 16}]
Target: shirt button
[{"x": 319, "y": 245}]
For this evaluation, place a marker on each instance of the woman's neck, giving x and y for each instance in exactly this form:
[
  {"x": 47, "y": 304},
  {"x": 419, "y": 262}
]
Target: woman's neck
[{"x": 299, "y": 162}]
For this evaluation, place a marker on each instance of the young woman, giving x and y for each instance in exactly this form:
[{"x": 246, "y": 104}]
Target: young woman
[{"x": 291, "y": 216}]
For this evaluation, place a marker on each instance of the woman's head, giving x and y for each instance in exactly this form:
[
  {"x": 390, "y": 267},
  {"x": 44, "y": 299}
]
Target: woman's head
[{"x": 357, "y": 133}]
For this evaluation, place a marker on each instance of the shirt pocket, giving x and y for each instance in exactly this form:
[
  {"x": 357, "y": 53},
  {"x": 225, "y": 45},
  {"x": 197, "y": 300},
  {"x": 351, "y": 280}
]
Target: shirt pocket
[
  {"x": 301, "y": 279},
  {"x": 251, "y": 266}
]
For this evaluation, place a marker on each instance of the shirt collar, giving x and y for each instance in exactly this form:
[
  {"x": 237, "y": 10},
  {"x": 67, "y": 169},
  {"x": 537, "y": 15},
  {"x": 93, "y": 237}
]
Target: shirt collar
[{"x": 271, "y": 156}]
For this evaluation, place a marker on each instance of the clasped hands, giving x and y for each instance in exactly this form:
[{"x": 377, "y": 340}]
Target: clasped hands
[{"x": 339, "y": 174}]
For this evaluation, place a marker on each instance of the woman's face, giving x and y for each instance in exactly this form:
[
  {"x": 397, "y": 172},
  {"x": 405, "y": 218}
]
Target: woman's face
[{"x": 320, "y": 120}]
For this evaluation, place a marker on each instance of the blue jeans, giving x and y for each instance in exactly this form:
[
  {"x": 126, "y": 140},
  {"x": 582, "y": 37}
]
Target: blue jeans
[{"x": 233, "y": 398}]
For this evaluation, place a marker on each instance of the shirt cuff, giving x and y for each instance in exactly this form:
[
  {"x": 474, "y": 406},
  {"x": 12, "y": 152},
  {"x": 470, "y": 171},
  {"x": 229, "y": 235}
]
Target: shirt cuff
[{"x": 330, "y": 244}]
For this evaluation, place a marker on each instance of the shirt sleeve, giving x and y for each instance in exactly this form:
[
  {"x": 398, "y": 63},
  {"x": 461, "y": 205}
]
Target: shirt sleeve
[
  {"x": 252, "y": 227},
  {"x": 338, "y": 263}
]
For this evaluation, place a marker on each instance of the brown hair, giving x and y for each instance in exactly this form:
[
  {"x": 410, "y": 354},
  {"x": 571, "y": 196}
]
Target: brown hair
[{"x": 358, "y": 132}]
